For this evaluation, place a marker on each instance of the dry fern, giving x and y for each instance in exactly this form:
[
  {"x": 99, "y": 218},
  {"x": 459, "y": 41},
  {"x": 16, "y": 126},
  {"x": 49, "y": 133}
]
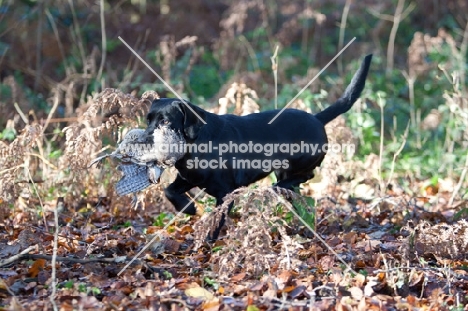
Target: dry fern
[
  {"x": 12, "y": 159},
  {"x": 252, "y": 244},
  {"x": 422, "y": 45},
  {"x": 243, "y": 98},
  {"x": 444, "y": 241},
  {"x": 83, "y": 139}
]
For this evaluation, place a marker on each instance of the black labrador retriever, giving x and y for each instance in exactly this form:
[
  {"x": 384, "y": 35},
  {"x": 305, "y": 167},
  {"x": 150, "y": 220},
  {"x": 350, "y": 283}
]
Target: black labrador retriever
[{"x": 225, "y": 152}]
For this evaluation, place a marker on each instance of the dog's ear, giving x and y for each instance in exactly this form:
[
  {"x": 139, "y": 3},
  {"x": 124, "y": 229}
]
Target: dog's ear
[{"x": 194, "y": 119}]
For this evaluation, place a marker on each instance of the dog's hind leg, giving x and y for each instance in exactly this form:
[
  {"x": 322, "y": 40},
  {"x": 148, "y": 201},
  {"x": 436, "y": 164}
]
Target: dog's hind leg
[
  {"x": 221, "y": 223},
  {"x": 290, "y": 181},
  {"x": 293, "y": 182},
  {"x": 176, "y": 194}
]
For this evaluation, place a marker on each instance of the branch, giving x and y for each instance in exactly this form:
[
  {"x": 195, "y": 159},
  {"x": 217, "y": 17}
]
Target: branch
[{"x": 25, "y": 256}]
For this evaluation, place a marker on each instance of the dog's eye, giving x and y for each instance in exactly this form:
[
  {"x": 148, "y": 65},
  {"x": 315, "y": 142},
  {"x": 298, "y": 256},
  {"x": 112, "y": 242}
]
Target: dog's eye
[{"x": 165, "y": 121}]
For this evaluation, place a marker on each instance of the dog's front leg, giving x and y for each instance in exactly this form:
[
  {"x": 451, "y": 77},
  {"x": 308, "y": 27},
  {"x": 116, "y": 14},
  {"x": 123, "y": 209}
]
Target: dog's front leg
[{"x": 176, "y": 194}]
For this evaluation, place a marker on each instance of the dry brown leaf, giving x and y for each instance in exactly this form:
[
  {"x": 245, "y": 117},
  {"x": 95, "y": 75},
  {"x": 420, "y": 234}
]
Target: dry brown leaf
[
  {"x": 359, "y": 279},
  {"x": 171, "y": 246},
  {"x": 185, "y": 229},
  {"x": 284, "y": 277},
  {"x": 238, "y": 277},
  {"x": 356, "y": 293},
  {"x": 362, "y": 305},
  {"x": 327, "y": 262},
  {"x": 36, "y": 267},
  {"x": 212, "y": 305},
  {"x": 297, "y": 291},
  {"x": 199, "y": 292},
  {"x": 270, "y": 293},
  {"x": 258, "y": 285},
  {"x": 350, "y": 238}
]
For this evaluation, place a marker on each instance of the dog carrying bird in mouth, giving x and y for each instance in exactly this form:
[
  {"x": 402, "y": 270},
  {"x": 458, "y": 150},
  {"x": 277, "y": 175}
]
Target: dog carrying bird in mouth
[{"x": 225, "y": 152}]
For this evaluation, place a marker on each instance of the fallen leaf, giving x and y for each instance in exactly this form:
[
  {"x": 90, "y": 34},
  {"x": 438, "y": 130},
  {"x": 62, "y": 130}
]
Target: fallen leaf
[
  {"x": 270, "y": 293},
  {"x": 360, "y": 264},
  {"x": 368, "y": 245},
  {"x": 36, "y": 267},
  {"x": 359, "y": 279},
  {"x": 238, "y": 277},
  {"x": 356, "y": 293},
  {"x": 199, "y": 292},
  {"x": 296, "y": 292},
  {"x": 364, "y": 191},
  {"x": 257, "y": 286},
  {"x": 288, "y": 289},
  {"x": 350, "y": 238},
  {"x": 30, "y": 285},
  {"x": 171, "y": 246},
  {"x": 362, "y": 305},
  {"x": 326, "y": 262},
  {"x": 283, "y": 278},
  {"x": 432, "y": 190},
  {"x": 186, "y": 229},
  {"x": 9, "y": 250},
  {"x": 212, "y": 305}
]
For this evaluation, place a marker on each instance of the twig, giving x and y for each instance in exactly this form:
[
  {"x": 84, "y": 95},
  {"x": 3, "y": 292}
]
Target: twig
[
  {"x": 21, "y": 113},
  {"x": 78, "y": 38},
  {"x": 76, "y": 34},
  {"x": 251, "y": 52},
  {"x": 430, "y": 269},
  {"x": 38, "y": 196},
  {"x": 54, "y": 256},
  {"x": 133, "y": 63},
  {"x": 274, "y": 67},
  {"x": 4, "y": 54},
  {"x": 25, "y": 18},
  {"x": 381, "y": 147},
  {"x": 174, "y": 300},
  {"x": 411, "y": 80},
  {"x": 16, "y": 257},
  {"x": 59, "y": 42},
  {"x": 54, "y": 107},
  {"x": 397, "y": 153},
  {"x": 460, "y": 182},
  {"x": 344, "y": 18},
  {"x": 104, "y": 41},
  {"x": 24, "y": 256},
  {"x": 11, "y": 169},
  {"x": 461, "y": 58},
  {"x": 400, "y": 14},
  {"x": 42, "y": 158},
  {"x": 41, "y": 5}
]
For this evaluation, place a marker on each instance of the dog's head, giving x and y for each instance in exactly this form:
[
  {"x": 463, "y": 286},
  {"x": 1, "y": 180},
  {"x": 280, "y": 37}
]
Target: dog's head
[{"x": 183, "y": 118}]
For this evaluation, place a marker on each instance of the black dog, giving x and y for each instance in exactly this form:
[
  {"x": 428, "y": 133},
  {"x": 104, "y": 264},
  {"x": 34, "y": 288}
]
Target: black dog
[{"x": 221, "y": 170}]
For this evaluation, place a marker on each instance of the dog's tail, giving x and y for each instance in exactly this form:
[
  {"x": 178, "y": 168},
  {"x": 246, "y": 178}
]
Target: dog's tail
[{"x": 351, "y": 94}]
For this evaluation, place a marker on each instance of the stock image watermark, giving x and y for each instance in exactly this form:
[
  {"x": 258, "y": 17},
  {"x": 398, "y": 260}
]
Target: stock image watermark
[{"x": 232, "y": 155}]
